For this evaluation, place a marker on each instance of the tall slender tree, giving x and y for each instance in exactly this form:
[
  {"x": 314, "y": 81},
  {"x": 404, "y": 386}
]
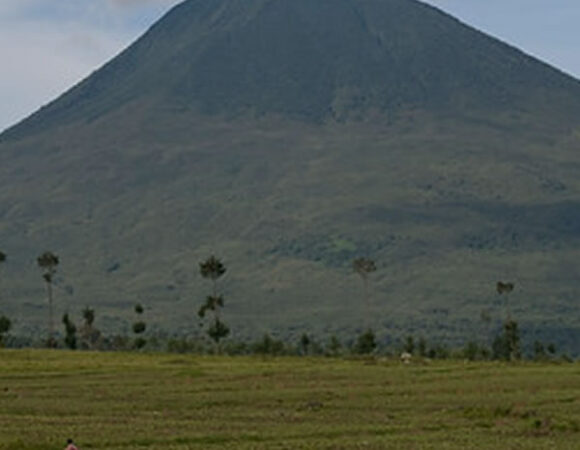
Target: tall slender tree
[
  {"x": 90, "y": 335},
  {"x": 212, "y": 269},
  {"x": 364, "y": 267},
  {"x": 509, "y": 343},
  {"x": 5, "y": 323},
  {"x": 139, "y": 327},
  {"x": 48, "y": 261},
  {"x": 70, "y": 329}
]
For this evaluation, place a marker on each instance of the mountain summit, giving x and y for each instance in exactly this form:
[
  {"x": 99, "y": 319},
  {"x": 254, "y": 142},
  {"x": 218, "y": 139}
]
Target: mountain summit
[
  {"x": 290, "y": 137},
  {"x": 314, "y": 60}
]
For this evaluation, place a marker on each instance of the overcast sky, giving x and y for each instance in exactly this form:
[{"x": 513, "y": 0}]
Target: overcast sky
[{"x": 46, "y": 46}]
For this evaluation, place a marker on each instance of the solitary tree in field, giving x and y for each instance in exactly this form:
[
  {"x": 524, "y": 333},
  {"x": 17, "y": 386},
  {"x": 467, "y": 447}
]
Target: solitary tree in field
[
  {"x": 212, "y": 269},
  {"x": 70, "y": 330},
  {"x": 139, "y": 327},
  {"x": 504, "y": 289},
  {"x": 48, "y": 262},
  {"x": 364, "y": 267},
  {"x": 90, "y": 336},
  {"x": 509, "y": 343}
]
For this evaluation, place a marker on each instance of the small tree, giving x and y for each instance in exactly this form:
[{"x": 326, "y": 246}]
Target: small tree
[
  {"x": 5, "y": 326},
  {"x": 366, "y": 343},
  {"x": 48, "y": 262},
  {"x": 409, "y": 346},
  {"x": 334, "y": 346},
  {"x": 70, "y": 329},
  {"x": 139, "y": 327},
  {"x": 509, "y": 343},
  {"x": 90, "y": 336},
  {"x": 539, "y": 351},
  {"x": 213, "y": 269},
  {"x": 504, "y": 289},
  {"x": 5, "y": 323},
  {"x": 364, "y": 267},
  {"x": 506, "y": 346},
  {"x": 305, "y": 342}
]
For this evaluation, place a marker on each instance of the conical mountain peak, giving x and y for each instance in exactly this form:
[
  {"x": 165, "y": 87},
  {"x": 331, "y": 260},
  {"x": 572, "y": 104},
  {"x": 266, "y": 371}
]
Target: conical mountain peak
[{"x": 312, "y": 60}]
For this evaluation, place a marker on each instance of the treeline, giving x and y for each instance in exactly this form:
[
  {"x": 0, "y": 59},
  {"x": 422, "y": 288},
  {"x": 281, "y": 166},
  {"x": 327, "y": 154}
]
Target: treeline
[
  {"x": 88, "y": 338},
  {"x": 504, "y": 346}
]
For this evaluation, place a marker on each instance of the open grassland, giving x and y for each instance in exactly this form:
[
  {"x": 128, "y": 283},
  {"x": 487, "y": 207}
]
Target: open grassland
[{"x": 137, "y": 401}]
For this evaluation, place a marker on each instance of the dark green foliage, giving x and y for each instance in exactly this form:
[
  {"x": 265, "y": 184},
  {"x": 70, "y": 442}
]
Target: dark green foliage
[
  {"x": 334, "y": 346},
  {"x": 409, "y": 346},
  {"x": 439, "y": 351},
  {"x": 365, "y": 343},
  {"x": 475, "y": 352},
  {"x": 305, "y": 342},
  {"x": 89, "y": 316},
  {"x": 139, "y": 343},
  {"x": 539, "y": 351},
  {"x": 212, "y": 303},
  {"x": 500, "y": 348},
  {"x": 139, "y": 327},
  {"x": 507, "y": 345},
  {"x": 90, "y": 336},
  {"x": 218, "y": 330},
  {"x": 269, "y": 346},
  {"x": 212, "y": 268},
  {"x": 512, "y": 337},
  {"x": 5, "y": 325},
  {"x": 70, "y": 329},
  {"x": 48, "y": 261},
  {"x": 364, "y": 266}
]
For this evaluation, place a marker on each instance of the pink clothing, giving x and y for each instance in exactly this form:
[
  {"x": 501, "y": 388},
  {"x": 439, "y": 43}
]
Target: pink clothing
[{"x": 71, "y": 447}]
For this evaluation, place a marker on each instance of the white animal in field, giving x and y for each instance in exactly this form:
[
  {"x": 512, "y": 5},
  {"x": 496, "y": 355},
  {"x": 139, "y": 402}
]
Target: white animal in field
[{"x": 406, "y": 357}]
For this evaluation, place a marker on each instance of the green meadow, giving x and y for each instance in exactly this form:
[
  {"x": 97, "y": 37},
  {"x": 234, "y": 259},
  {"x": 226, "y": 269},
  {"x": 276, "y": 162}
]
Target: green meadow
[{"x": 168, "y": 401}]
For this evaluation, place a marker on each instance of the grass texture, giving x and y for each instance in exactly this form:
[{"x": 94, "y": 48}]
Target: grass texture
[{"x": 148, "y": 401}]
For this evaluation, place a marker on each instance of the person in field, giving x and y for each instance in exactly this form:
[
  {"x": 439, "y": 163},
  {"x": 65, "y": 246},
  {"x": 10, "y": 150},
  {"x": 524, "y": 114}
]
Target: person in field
[{"x": 70, "y": 445}]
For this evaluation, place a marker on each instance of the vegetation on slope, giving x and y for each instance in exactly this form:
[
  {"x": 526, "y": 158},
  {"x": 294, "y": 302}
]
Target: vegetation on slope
[{"x": 447, "y": 157}]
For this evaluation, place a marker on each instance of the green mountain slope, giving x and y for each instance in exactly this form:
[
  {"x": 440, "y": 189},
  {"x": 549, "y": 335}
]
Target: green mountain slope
[{"x": 290, "y": 137}]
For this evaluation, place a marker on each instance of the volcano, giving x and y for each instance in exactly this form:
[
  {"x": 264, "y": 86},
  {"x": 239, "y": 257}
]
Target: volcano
[{"x": 290, "y": 137}]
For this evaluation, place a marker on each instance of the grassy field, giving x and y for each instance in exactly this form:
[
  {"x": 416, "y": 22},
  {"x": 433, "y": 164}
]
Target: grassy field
[{"x": 136, "y": 401}]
